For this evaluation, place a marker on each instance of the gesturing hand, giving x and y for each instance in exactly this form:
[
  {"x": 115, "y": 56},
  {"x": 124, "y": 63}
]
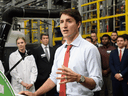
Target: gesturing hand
[{"x": 69, "y": 75}]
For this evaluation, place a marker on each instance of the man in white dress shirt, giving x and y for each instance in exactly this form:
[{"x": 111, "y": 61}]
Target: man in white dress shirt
[{"x": 83, "y": 75}]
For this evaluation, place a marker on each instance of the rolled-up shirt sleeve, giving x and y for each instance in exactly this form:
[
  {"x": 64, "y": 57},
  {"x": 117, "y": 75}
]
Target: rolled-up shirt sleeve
[{"x": 93, "y": 63}]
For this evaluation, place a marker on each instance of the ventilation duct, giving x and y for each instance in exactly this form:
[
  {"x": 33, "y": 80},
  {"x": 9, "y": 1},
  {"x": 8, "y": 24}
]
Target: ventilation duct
[{"x": 8, "y": 15}]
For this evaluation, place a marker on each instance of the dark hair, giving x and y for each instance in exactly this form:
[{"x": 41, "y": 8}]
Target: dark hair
[
  {"x": 93, "y": 32},
  {"x": 20, "y": 38},
  {"x": 73, "y": 13},
  {"x": 115, "y": 32},
  {"x": 125, "y": 36},
  {"x": 106, "y": 35},
  {"x": 88, "y": 37},
  {"x": 43, "y": 34},
  {"x": 121, "y": 36}
]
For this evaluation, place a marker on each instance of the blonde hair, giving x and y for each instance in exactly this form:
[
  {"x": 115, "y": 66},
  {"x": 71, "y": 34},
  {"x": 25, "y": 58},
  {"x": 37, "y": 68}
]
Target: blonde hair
[{"x": 20, "y": 38}]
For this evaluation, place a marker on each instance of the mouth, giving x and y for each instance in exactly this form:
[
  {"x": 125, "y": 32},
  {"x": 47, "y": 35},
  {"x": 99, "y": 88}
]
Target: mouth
[{"x": 65, "y": 30}]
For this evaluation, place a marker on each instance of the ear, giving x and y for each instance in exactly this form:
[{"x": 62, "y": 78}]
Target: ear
[{"x": 79, "y": 24}]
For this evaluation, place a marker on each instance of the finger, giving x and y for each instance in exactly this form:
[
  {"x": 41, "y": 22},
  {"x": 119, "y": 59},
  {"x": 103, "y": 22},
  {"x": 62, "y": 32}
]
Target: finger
[
  {"x": 63, "y": 82},
  {"x": 62, "y": 69},
  {"x": 65, "y": 68},
  {"x": 61, "y": 78},
  {"x": 62, "y": 73},
  {"x": 23, "y": 92}
]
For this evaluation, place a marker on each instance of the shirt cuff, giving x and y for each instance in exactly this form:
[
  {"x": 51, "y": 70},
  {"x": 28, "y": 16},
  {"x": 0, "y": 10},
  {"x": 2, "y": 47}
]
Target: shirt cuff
[
  {"x": 19, "y": 80},
  {"x": 32, "y": 82},
  {"x": 120, "y": 74}
]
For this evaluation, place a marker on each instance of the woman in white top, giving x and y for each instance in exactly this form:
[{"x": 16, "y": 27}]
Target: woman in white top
[
  {"x": 1, "y": 67},
  {"x": 25, "y": 73}
]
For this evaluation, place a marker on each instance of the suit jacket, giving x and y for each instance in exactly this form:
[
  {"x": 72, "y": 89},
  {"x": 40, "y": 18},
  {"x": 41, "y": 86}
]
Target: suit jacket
[
  {"x": 119, "y": 67},
  {"x": 44, "y": 66}
]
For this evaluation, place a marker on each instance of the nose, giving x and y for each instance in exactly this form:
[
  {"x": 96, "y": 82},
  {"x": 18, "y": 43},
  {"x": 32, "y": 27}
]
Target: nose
[{"x": 65, "y": 25}]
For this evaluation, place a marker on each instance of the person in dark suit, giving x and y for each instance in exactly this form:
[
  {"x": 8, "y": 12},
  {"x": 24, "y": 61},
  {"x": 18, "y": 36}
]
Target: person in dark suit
[
  {"x": 44, "y": 56},
  {"x": 119, "y": 66}
]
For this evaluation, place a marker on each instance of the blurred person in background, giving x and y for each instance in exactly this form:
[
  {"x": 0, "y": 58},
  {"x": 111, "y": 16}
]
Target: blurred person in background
[
  {"x": 94, "y": 37},
  {"x": 126, "y": 40},
  {"x": 105, "y": 51},
  {"x": 113, "y": 41},
  {"x": 25, "y": 73},
  {"x": 118, "y": 63},
  {"x": 44, "y": 56},
  {"x": 89, "y": 39}
]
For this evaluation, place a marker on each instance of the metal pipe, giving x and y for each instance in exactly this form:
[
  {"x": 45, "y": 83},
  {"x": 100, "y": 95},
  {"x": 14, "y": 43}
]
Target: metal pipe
[{"x": 7, "y": 18}]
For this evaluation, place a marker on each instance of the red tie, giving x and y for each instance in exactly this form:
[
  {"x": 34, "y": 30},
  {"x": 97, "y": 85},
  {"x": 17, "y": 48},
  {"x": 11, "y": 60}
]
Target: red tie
[
  {"x": 120, "y": 55},
  {"x": 66, "y": 59}
]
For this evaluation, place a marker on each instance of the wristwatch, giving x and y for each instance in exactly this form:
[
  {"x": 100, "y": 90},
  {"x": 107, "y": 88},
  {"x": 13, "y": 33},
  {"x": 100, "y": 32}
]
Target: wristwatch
[{"x": 82, "y": 79}]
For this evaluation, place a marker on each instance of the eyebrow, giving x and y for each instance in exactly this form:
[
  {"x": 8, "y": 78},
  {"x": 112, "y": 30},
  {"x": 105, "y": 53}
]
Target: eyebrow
[{"x": 66, "y": 19}]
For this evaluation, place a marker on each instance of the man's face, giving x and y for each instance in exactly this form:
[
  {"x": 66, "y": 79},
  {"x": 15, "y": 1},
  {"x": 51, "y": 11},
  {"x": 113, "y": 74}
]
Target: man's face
[
  {"x": 114, "y": 36},
  {"x": 68, "y": 26},
  {"x": 105, "y": 41},
  {"x": 94, "y": 37},
  {"x": 126, "y": 43},
  {"x": 45, "y": 40},
  {"x": 88, "y": 40},
  {"x": 21, "y": 44},
  {"x": 120, "y": 42}
]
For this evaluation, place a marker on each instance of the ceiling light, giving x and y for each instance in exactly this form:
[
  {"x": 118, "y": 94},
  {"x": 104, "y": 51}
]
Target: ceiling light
[{"x": 1, "y": 0}]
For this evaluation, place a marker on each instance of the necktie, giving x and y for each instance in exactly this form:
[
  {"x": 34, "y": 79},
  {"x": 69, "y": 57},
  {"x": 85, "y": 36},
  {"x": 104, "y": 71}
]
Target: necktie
[
  {"x": 120, "y": 55},
  {"x": 46, "y": 52},
  {"x": 66, "y": 59}
]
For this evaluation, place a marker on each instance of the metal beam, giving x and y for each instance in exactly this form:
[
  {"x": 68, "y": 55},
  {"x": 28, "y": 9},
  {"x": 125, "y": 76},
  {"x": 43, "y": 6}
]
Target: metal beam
[{"x": 24, "y": 3}]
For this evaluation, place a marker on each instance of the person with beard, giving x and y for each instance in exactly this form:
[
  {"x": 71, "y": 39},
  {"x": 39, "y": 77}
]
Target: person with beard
[
  {"x": 118, "y": 63},
  {"x": 105, "y": 51},
  {"x": 114, "y": 36},
  {"x": 94, "y": 38}
]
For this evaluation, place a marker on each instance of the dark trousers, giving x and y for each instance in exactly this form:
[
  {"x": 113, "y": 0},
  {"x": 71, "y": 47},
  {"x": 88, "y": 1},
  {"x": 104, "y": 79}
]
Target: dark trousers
[
  {"x": 120, "y": 88},
  {"x": 97, "y": 93}
]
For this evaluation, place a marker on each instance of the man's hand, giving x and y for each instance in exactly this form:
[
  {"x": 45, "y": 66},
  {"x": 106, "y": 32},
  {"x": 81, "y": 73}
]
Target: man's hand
[
  {"x": 105, "y": 72},
  {"x": 69, "y": 75},
  {"x": 29, "y": 86},
  {"x": 118, "y": 77},
  {"x": 27, "y": 93}
]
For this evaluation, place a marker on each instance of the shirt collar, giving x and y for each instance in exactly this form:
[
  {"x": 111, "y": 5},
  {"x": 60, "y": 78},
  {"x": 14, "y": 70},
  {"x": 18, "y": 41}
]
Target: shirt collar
[
  {"x": 121, "y": 49},
  {"x": 43, "y": 46},
  {"x": 76, "y": 42}
]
